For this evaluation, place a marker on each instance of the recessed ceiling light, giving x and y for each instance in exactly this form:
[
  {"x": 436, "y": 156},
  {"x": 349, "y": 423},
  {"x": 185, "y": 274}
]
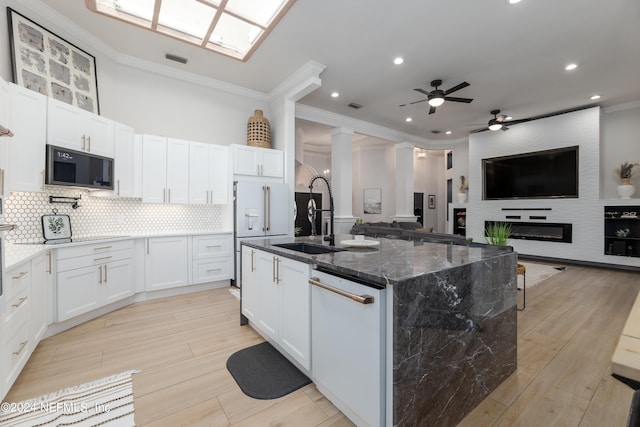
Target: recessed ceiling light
[
  {"x": 335, "y": 94},
  {"x": 594, "y": 97},
  {"x": 448, "y": 132},
  {"x": 570, "y": 67},
  {"x": 399, "y": 60},
  {"x": 408, "y": 119}
]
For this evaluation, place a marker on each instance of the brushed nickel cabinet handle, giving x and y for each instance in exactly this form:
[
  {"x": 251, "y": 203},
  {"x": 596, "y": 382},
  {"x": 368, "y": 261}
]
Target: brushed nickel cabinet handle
[
  {"x": 118, "y": 187},
  {"x": 252, "y": 266},
  {"x": 23, "y": 344},
  {"x": 84, "y": 142},
  {"x": 273, "y": 270},
  {"x": 20, "y": 275},
  {"x": 89, "y": 143},
  {"x": 100, "y": 268},
  {"x": 104, "y": 257},
  {"x": 214, "y": 246},
  {"x": 106, "y": 279},
  {"x": 362, "y": 299},
  {"x": 102, "y": 247},
  {"x": 215, "y": 269},
  {"x": 49, "y": 257},
  {"x": 21, "y": 301},
  {"x": 169, "y": 197}
]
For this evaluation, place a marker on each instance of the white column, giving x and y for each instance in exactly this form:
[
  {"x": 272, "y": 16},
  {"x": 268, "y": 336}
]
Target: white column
[
  {"x": 342, "y": 178},
  {"x": 404, "y": 183}
]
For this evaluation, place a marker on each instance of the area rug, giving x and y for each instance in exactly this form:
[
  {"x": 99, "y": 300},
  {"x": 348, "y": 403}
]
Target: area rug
[
  {"x": 537, "y": 273},
  {"x": 263, "y": 373},
  {"x": 104, "y": 402}
]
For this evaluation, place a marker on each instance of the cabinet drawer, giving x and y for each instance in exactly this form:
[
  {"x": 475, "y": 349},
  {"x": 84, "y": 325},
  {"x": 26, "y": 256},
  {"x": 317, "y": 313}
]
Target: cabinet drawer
[
  {"x": 211, "y": 270},
  {"x": 212, "y": 245},
  {"x": 93, "y": 259},
  {"x": 15, "y": 353},
  {"x": 17, "y": 280},
  {"x": 94, "y": 248},
  {"x": 17, "y": 311}
]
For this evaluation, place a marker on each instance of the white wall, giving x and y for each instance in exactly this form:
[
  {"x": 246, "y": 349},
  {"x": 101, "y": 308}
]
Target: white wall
[
  {"x": 620, "y": 142},
  {"x": 374, "y": 167},
  {"x": 427, "y": 179}
]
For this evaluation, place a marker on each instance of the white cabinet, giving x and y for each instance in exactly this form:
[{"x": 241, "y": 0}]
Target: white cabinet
[
  {"x": 41, "y": 286},
  {"x": 257, "y": 161},
  {"x": 125, "y": 158},
  {"x": 249, "y": 290},
  {"x": 167, "y": 262},
  {"x": 276, "y": 299},
  {"x": 212, "y": 258},
  {"x": 16, "y": 342},
  {"x": 92, "y": 276},
  {"x": 27, "y": 147},
  {"x": 77, "y": 129},
  {"x": 208, "y": 174},
  {"x": 165, "y": 166},
  {"x": 4, "y": 141}
]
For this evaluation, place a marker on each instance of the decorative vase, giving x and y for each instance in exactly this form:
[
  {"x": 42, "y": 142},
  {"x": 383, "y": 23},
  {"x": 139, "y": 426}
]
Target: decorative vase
[
  {"x": 625, "y": 191},
  {"x": 258, "y": 131},
  {"x": 462, "y": 197}
]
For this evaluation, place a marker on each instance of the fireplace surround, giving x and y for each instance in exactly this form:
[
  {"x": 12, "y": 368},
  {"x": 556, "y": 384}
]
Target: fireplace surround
[{"x": 544, "y": 231}]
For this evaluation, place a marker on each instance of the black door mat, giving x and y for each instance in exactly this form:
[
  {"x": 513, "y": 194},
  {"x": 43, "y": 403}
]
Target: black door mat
[{"x": 263, "y": 373}]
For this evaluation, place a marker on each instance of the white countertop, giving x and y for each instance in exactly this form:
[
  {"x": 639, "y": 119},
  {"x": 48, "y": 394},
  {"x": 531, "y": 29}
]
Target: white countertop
[{"x": 16, "y": 253}]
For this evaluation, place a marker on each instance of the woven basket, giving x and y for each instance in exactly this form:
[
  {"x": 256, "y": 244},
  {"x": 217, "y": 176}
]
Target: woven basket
[{"x": 258, "y": 131}]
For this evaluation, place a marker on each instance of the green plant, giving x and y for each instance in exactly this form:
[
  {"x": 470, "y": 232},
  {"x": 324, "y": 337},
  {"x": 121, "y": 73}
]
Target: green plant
[
  {"x": 464, "y": 184},
  {"x": 626, "y": 170},
  {"x": 497, "y": 233},
  {"x": 297, "y": 231}
]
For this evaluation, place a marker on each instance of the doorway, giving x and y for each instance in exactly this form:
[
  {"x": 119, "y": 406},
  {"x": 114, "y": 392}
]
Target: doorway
[{"x": 418, "y": 207}]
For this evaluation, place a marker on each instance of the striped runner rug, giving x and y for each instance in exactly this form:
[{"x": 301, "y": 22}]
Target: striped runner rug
[{"x": 104, "y": 402}]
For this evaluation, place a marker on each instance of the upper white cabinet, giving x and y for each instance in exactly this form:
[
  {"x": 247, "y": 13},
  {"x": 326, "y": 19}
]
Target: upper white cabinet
[
  {"x": 125, "y": 158},
  {"x": 4, "y": 141},
  {"x": 208, "y": 174},
  {"x": 77, "y": 129},
  {"x": 257, "y": 161},
  {"x": 165, "y": 166},
  {"x": 26, "y": 150}
]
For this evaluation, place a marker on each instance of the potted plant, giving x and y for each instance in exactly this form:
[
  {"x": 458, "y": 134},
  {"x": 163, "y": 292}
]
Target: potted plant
[
  {"x": 497, "y": 233},
  {"x": 626, "y": 189},
  {"x": 462, "y": 192}
]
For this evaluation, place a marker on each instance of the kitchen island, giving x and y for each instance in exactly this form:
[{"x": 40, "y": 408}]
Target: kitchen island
[{"x": 447, "y": 334}]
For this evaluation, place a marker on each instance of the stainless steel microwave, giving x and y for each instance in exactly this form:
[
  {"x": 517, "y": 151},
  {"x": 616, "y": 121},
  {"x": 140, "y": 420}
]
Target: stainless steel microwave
[{"x": 78, "y": 169}]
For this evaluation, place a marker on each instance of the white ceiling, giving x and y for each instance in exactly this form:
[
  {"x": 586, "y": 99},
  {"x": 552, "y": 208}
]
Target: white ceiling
[{"x": 512, "y": 55}]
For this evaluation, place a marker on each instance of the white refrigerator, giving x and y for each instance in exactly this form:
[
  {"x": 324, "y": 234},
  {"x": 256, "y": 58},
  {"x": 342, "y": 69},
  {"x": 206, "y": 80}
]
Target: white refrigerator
[{"x": 261, "y": 211}]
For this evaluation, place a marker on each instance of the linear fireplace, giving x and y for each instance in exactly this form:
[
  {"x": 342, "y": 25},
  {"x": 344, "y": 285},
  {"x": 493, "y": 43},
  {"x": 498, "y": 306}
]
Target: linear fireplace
[{"x": 545, "y": 231}]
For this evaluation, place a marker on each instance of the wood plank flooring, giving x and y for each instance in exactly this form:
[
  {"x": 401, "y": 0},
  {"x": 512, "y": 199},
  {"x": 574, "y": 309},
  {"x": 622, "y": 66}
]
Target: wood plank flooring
[{"x": 566, "y": 337}]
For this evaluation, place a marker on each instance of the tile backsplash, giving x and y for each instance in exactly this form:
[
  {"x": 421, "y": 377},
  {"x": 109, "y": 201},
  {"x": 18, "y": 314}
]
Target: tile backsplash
[{"x": 98, "y": 216}]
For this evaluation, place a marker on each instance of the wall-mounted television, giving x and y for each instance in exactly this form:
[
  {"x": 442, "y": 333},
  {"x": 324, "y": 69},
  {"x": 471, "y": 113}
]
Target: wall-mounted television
[{"x": 537, "y": 175}]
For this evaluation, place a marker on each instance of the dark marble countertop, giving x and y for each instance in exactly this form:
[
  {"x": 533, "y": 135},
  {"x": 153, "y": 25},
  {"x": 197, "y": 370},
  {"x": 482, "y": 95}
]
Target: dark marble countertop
[{"x": 390, "y": 263}]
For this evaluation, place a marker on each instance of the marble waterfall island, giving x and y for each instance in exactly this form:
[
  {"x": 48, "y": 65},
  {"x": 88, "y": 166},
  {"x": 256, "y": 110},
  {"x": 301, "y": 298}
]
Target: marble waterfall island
[{"x": 449, "y": 322}]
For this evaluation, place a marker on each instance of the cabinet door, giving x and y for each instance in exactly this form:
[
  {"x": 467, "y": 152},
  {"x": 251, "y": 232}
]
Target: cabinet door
[
  {"x": 219, "y": 175},
  {"x": 124, "y": 160},
  {"x": 167, "y": 263},
  {"x": 294, "y": 309},
  {"x": 27, "y": 148},
  {"x": 78, "y": 291},
  {"x": 272, "y": 163},
  {"x": 64, "y": 125},
  {"x": 4, "y": 141},
  {"x": 98, "y": 133},
  {"x": 177, "y": 171},
  {"x": 245, "y": 160},
  {"x": 212, "y": 270},
  {"x": 117, "y": 280},
  {"x": 154, "y": 169},
  {"x": 267, "y": 265},
  {"x": 40, "y": 272},
  {"x": 199, "y": 166},
  {"x": 250, "y": 290}
]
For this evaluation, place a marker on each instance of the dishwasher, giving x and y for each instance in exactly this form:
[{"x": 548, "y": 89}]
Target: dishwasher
[{"x": 348, "y": 336}]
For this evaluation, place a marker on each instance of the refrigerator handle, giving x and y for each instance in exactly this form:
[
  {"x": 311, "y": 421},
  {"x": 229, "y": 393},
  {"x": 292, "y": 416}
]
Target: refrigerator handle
[
  {"x": 268, "y": 212},
  {"x": 264, "y": 208}
]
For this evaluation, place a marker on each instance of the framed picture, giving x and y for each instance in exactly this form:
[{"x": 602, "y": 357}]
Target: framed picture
[
  {"x": 372, "y": 200},
  {"x": 431, "y": 201},
  {"x": 50, "y": 65}
]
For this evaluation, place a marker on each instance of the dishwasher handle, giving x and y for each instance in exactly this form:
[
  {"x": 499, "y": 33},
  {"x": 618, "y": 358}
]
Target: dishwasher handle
[{"x": 362, "y": 299}]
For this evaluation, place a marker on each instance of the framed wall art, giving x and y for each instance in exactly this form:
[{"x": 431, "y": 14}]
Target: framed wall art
[
  {"x": 431, "y": 200},
  {"x": 372, "y": 201},
  {"x": 50, "y": 65}
]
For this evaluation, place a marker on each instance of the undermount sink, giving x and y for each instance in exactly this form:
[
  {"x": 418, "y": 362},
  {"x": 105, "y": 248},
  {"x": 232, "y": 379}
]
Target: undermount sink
[{"x": 308, "y": 248}]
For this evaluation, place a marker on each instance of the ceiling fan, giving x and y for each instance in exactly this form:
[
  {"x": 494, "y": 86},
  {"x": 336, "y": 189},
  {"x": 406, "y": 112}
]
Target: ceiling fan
[
  {"x": 496, "y": 123},
  {"x": 437, "y": 96}
]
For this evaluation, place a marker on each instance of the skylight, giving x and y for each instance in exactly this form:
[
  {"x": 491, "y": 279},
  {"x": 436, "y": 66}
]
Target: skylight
[{"x": 231, "y": 27}]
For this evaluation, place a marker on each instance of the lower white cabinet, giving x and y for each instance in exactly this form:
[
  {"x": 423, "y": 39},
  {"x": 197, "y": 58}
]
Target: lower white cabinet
[
  {"x": 41, "y": 293},
  {"x": 276, "y": 299},
  {"x": 167, "y": 262},
  {"x": 92, "y": 276},
  {"x": 212, "y": 257}
]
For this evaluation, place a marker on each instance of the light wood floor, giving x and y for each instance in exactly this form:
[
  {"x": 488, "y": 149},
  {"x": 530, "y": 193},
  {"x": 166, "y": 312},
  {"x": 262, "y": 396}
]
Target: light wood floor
[{"x": 566, "y": 337}]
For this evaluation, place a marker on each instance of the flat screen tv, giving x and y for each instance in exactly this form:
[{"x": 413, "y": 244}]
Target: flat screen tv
[{"x": 538, "y": 175}]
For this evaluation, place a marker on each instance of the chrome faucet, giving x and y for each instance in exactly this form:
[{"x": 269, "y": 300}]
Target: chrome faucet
[{"x": 330, "y": 238}]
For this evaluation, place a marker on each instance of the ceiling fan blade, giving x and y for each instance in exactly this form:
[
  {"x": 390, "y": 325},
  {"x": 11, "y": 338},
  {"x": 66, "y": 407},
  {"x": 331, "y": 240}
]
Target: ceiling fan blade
[
  {"x": 414, "y": 102},
  {"x": 504, "y": 128},
  {"x": 479, "y": 130},
  {"x": 501, "y": 118},
  {"x": 432, "y": 109},
  {"x": 455, "y": 88},
  {"x": 476, "y": 124},
  {"x": 451, "y": 98},
  {"x": 422, "y": 91}
]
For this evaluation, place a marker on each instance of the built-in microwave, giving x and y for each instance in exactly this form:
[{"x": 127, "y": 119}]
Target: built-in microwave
[{"x": 78, "y": 169}]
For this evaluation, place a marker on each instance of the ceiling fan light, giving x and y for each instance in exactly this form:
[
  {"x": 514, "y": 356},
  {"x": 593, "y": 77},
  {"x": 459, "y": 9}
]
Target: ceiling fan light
[
  {"x": 436, "y": 101},
  {"x": 495, "y": 126}
]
